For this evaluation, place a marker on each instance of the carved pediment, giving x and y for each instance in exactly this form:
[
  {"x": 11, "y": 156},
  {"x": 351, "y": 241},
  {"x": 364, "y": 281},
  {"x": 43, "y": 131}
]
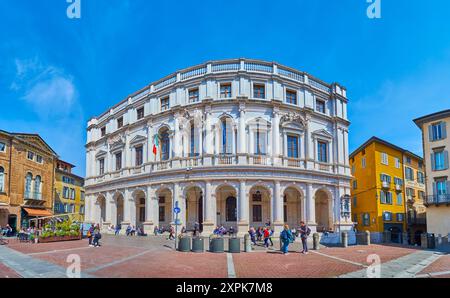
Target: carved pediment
[
  {"x": 294, "y": 118},
  {"x": 322, "y": 133},
  {"x": 138, "y": 139},
  {"x": 100, "y": 153},
  {"x": 259, "y": 121},
  {"x": 35, "y": 141}
]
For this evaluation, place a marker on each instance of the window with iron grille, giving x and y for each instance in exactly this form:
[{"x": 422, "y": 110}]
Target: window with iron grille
[{"x": 259, "y": 91}]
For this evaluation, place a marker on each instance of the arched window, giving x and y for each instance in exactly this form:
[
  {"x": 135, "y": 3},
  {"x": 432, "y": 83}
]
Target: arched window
[
  {"x": 261, "y": 141},
  {"x": 2, "y": 179},
  {"x": 193, "y": 141},
  {"x": 28, "y": 181},
  {"x": 37, "y": 188},
  {"x": 231, "y": 209},
  {"x": 165, "y": 144},
  {"x": 226, "y": 134}
]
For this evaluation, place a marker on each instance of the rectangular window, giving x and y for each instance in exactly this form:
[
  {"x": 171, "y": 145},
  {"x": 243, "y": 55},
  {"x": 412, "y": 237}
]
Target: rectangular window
[
  {"x": 2, "y": 147},
  {"x": 162, "y": 213},
  {"x": 120, "y": 122},
  {"x": 193, "y": 95},
  {"x": 386, "y": 197},
  {"x": 363, "y": 162},
  {"x": 140, "y": 113},
  {"x": 257, "y": 213},
  {"x": 103, "y": 131},
  {"x": 387, "y": 216},
  {"x": 397, "y": 162},
  {"x": 409, "y": 193},
  {"x": 30, "y": 155},
  {"x": 441, "y": 187},
  {"x": 72, "y": 194},
  {"x": 225, "y": 90},
  {"x": 409, "y": 174},
  {"x": 320, "y": 106},
  {"x": 420, "y": 177},
  {"x": 400, "y": 216},
  {"x": 292, "y": 142},
  {"x": 39, "y": 159},
  {"x": 139, "y": 155},
  {"x": 408, "y": 160},
  {"x": 291, "y": 97},
  {"x": 82, "y": 195},
  {"x": 101, "y": 163},
  {"x": 322, "y": 152},
  {"x": 65, "y": 192},
  {"x": 398, "y": 181},
  {"x": 366, "y": 219},
  {"x": 437, "y": 131},
  {"x": 164, "y": 104},
  {"x": 384, "y": 158},
  {"x": 439, "y": 160},
  {"x": 118, "y": 161},
  {"x": 355, "y": 184},
  {"x": 399, "y": 199},
  {"x": 421, "y": 195},
  {"x": 259, "y": 91},
  {"x": 82, "y": 209},
  {"x": 355, "y": 200}
]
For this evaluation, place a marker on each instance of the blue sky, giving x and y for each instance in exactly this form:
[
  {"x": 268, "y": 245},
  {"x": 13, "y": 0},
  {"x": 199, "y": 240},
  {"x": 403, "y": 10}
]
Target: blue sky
[{"x": 56, "y": 72}]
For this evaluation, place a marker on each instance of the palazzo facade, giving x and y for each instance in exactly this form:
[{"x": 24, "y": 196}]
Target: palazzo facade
[{"x": 235, "y": 142}]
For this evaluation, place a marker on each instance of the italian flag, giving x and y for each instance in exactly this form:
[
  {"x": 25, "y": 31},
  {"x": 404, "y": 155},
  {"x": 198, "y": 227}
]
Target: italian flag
[{"x": 155, "y": 144}]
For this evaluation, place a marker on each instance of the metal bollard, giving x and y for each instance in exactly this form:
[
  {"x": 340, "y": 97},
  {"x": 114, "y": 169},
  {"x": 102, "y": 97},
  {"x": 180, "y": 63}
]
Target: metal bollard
[
  {"x": 316, "y": 241},
  {"x": 405, "y": 238},
  {"x": 367, "y": 237},
  {"x": 439, "y": 240},
  {"x": 344, "y": 239},
  {"x": 247, "y": 243}
]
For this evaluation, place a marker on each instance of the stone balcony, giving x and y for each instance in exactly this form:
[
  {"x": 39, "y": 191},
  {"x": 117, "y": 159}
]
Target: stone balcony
[{"x": 219, "y": 161}]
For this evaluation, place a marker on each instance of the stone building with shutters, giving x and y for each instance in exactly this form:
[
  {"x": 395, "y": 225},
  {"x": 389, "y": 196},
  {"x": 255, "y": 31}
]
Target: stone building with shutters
[
  {"x": 436, "y": 145},
  {"x": 235, "y": 142},
  {"x": 27, "y": 169}
]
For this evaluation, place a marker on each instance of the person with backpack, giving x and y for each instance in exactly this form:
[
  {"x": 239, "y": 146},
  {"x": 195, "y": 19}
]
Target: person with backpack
[
  {"x": 285, "y": 238},
  {"x": 252, "y": 234},
  {"x": 304, "y": 233}
]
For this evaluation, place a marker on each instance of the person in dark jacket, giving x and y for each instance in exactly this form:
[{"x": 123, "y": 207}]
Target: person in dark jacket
[
  {"x": 90, "y": 234},
  {"x": 97, "y": 236},
  {"x": 304, "y": 233}
]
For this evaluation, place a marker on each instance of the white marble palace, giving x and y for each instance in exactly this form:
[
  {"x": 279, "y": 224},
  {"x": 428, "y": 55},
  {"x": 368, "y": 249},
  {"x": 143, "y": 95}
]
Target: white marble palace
[{"x": 236, "y": 143}]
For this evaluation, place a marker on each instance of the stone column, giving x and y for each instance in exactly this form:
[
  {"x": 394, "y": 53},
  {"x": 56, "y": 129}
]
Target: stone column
[
  {"x": 126, "y": 209},
  {"x": 310, "y": 207},
  {"x": 208, "y": 218},
  {"x": 208, "y": 140},
  {"x": 181, "y": 204},
  {"x": 278, "y": 209},
  {"x": 276, "y": 137},
  {"x": 242, "y": 136},
  {"x": 243, "y": 205},
  {"x": 176, "y": 146},
  {"x": 108, "y": 211},
  {"x": 149, "y": 208}
]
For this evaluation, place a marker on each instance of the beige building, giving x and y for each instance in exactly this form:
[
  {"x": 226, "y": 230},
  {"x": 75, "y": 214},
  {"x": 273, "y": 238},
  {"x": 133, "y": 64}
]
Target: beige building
[
  {"x": 436, "y": 145},
  {"x": 27, "y": 172}
]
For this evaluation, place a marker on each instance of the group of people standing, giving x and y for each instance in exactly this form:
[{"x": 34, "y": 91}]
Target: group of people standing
[
  {"x": 287, "y": 237},
  {"x": 94, "y": 235}
]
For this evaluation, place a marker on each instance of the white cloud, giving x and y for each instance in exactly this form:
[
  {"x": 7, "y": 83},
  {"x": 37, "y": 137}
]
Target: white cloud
[{"x": 47, "y": 89}]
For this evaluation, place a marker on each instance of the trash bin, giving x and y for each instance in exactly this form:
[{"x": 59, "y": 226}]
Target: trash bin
[
  {"x": 184, "y": 244},
  {"x": 216, "y": 244},
  {"x": 234, "y": 245},
  {"x": 316, "y": 241},
  {"x": 198, "y": 244},
  {"x": 431, "y": 244},
  {"x": 344, "y": 239}
]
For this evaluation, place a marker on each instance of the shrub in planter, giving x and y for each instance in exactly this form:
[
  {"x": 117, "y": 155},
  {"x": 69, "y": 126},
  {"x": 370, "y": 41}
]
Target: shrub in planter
[{"x": 74, "y": 233}]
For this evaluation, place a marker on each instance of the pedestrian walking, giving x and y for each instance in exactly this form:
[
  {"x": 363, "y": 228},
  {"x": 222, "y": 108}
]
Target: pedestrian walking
[
  {"x": 304, "y": 233},
  {"x": 118, "y": 228},
  {"x": 155, "y": 230},
  {"x": 252, "y": 234},
  {"x": 171, "y": 233},
  {"x": 266, "y": 234},
  {"x": 196, "y": 229},
  {"x": 285, "y": 238},
  {"x": 270, "y": 236}
]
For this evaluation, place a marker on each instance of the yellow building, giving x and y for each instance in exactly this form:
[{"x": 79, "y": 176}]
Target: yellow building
[
  {"x": 379, "y": 189},
  {"x": 69, "y": 191}
]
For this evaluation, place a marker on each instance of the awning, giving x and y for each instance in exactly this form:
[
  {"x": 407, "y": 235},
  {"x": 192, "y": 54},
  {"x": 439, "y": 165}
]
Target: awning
[{"x": 37, "y": 212}]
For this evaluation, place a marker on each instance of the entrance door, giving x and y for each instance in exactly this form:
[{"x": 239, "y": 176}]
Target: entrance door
[{"x": 12, "y": 221}]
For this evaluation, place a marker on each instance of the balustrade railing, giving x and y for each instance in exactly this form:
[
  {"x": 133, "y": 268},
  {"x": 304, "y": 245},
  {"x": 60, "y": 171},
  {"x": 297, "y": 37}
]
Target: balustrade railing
[
  {"x": 193, "y": 73},
  {"x": 258, "y": 160},
  {"x": 260, "y": 67},
  {"x": 437, "y": 199},
  {"x": 225, "y": 67},
  {"x": 225, "y": 159}
]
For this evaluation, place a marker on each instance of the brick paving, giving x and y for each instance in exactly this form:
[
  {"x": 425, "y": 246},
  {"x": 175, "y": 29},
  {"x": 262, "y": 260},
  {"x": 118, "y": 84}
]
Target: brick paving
[
  {"x": 6, "y": 272},
  {"x": 154, "y": 257}
]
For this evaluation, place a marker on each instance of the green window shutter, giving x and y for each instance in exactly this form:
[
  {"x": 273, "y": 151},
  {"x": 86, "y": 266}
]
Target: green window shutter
[
  {"x": 444, "y": 129},
  {"x": 433, "y": 162},
  {"x": 430, "y": 133}
]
